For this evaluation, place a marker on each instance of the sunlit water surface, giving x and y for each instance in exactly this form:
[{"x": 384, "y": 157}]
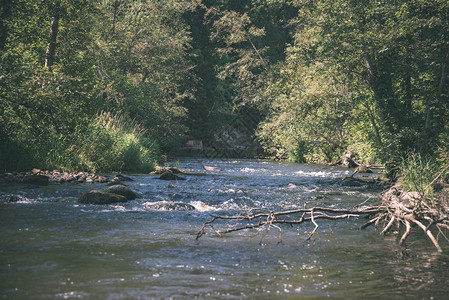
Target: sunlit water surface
[{"x": 53, "y": 247}]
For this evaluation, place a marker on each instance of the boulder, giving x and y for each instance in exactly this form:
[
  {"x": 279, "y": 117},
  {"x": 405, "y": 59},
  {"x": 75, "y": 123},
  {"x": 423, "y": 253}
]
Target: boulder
[
  {"x": 162, "y": 170},
  {"x": 36, "y": 179},
  {"x": 122, "y": 190},
  {"x": 168, "y": 175},
  {"x": 97, "y": 197},
  {"x": 123, "y": 178}
]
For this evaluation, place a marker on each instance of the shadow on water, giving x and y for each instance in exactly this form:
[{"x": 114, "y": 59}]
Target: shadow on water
[{"x": 53, "y": 247}]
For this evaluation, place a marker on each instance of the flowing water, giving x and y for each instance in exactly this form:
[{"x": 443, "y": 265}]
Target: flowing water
[{"x": 53, "y": 247}]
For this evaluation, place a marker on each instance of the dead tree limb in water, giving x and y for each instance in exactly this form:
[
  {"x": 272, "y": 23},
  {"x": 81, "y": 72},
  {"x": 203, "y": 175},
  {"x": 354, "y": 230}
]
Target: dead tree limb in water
[
  {"x": 291, "y": 217},
  {"x": 397, "y": 207}
]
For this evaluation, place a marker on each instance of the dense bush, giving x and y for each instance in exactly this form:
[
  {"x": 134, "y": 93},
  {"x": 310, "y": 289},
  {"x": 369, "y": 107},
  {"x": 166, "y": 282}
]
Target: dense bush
[
  {"x": 418, "y": 173},
  {"x": 113, "y": 143},
  {"x": 61, "y": 62}
]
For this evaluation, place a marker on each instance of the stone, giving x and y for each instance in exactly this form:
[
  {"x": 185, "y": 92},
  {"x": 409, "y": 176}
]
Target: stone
[
  {"x": 35, "y": 171},
  {"x": 162, "y": 170},
  {"x": 97, "y": 197},
  {"x": 168, "y": 175},
  {"x": 351, "y": 182},
  {"x": 207, "y": 168},
  {"x": 12, "y": 198},
  {"x": 173, "y": 206},
  {"x": 122, "y": 190},
  {"x": 102, "y": 179},
  {"x": 123, "y": 178},
  {"x": 36, "y": 179}
]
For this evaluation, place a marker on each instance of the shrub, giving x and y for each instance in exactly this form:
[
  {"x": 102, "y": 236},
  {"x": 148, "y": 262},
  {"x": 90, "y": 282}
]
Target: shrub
[
  {"x": 418, "y": 173},
  {"x": 113, "y": 143}
]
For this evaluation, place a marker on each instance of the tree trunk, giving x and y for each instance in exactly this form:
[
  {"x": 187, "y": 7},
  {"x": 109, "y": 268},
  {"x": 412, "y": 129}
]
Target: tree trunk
[
  {"x": 433, "y": 106},
  {"x": 4, "y": 15},
  {"x": 380, "y": 82},
  {"x": 443, "y": 77},
  {"x": 373, "y": 123},
  {"x": 115, "y": 12},
  {"x": 54, "y": 28}
]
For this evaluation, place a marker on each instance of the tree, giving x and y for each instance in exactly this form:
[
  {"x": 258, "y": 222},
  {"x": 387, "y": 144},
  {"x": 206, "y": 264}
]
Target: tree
[
  {"x": 391, "y": 56},
  {"x": 64, "y": 62}
]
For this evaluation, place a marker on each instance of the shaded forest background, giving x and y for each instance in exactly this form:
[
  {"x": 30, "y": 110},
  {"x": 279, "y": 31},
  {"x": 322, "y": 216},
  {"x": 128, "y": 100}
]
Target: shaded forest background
[{"x": 114, "y": 84}]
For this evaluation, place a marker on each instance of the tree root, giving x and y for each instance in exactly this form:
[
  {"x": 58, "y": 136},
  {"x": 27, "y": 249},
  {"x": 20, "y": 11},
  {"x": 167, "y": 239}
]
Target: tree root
[{"x": 397, "y": 207}]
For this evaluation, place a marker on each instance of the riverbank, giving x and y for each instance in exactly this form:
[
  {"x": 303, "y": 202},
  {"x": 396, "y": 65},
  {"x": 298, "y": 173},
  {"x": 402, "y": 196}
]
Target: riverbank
[{"x": 45, "y": 177}]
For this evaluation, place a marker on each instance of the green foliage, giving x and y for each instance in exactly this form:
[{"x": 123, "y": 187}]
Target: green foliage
[
  {"x": 235, "y": 43},
  {"x": 391, "y": 77},
  {"x": 127, "y": 56},
  {"x": 113, "y": 143},
  {"x": 311, "y": 112},
  {"x": 323, "y": 76},
  {"x": 418, "y": 173}
]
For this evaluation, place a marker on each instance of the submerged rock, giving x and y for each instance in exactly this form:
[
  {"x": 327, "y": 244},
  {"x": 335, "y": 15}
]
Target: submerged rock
[
  {"x": 173, "y": 206},
  {"x": 123, "y": 190},
  {"x": 352, "y": 182},
  {"x": 115, "y": 181},
  {"x": 12, "y": 198},
  {"x": 97, "y": 197}
]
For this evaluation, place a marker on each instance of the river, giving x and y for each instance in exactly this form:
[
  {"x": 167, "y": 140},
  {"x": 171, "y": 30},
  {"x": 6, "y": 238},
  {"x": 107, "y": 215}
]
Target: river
[{"x": 53, "y": 247}]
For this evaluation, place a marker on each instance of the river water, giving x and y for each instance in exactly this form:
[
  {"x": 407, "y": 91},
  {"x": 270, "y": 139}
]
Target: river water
[{"x": 53, "y": 247}]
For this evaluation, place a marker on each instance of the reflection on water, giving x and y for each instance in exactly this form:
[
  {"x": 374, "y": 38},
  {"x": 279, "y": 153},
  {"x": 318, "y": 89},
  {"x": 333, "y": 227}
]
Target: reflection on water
[{"x": 53, "y": 247}]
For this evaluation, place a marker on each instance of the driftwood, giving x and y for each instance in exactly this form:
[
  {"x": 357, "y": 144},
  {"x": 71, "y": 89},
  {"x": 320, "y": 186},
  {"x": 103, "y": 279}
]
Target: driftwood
[
  {"x": 400, "y": 208},
  {"x": 297, "y": 216},
  {"x": 291, "y": 217}
]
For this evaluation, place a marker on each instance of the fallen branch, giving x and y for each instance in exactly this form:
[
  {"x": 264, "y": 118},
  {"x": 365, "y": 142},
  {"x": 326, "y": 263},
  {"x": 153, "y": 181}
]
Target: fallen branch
[
  {"x": 397, "y": 207},
  {"x": 291, "y": 217}
]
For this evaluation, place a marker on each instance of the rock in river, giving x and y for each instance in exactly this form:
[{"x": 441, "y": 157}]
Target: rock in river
[
  {"x": 168, "y": 175},
  {"x": 122, "y": 190},
  {"x": 97, "y": 197},
  {"x": 36, "y": 179},
  {"x": 172, "y": 206},
  {"x": 123, "y": 178},
  {"x": 12, "y": 198}
]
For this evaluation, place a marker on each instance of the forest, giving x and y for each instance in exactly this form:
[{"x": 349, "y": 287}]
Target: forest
[{"x": 116, "y": 85}]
